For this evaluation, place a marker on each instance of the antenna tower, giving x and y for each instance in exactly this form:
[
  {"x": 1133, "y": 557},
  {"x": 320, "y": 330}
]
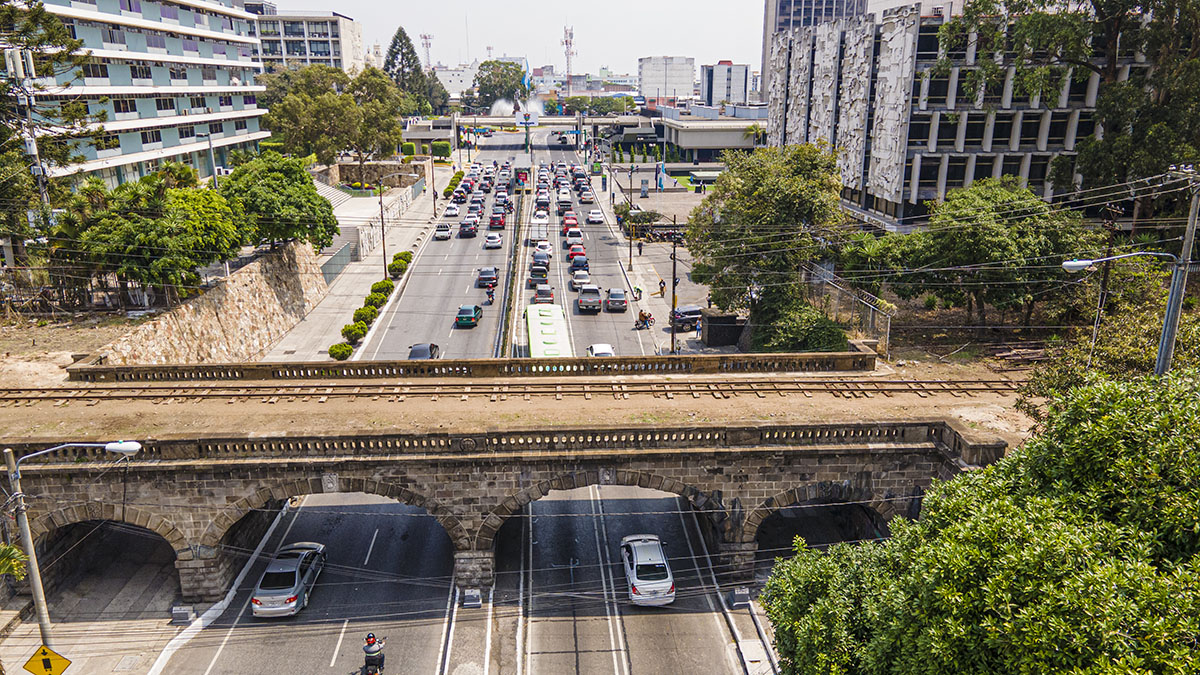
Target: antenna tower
[
  {"x": 568, "y": 43},
  {"x": 489, "y": 51},
  {"x": 427, "y": 42}
]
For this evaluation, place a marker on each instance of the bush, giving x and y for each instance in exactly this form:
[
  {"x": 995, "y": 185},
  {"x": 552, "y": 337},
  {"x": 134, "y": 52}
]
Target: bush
[
  {"x": 408, "y": 149},
  {"x": 424, "y": 148},
  {"x": 799, "y": 328},
  {"x": 366, "y": 315},
  {"x": 353, "y": 332},
  {"x": 397, "y": 268},
  {"x": 341, "y": 351},
  {"x": 931, "y": 302},
  {"x": 384, "y": 287},
  {"x": 441, "y": 148},
  {"x": 375, "y": 300},
  {"x": 406, "y": 256}
]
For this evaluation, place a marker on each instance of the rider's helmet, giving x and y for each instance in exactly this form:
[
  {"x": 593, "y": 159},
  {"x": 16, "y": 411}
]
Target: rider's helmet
[{"x": 370, "y": 638}]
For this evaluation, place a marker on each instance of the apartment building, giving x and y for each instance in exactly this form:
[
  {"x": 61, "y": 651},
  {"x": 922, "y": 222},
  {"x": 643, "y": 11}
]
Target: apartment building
[
  {"x": 667, "y": 78},
  {"x": 172, "y": 76},
  {"x": 905, "y": 133},
  {"x": 298, "y": 39},
  {"x": 725, "y": 82}
]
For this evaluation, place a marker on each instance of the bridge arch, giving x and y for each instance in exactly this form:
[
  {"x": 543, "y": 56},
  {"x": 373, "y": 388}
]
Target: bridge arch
[
  {"x": 286, "y": 489},
  {"x": 47, "y": 523},
  {"x": 885, "y": 506},
  {"x": 486, "y": 535}
]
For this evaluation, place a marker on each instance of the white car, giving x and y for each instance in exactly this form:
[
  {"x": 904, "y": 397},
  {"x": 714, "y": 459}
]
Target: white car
[
  {"x": 578, "y": 279},
  {"x": 451, "y": 211},
  {"x": 540, "y": 218},
  {"x": 442, "y": 231},
  {"x": 646, "y": 570},
  {"x": 493, "y": 240},
  {"x": 544, "y": 247},
  {"x": 595, "y": 216},
  {"x": 587, "y": 198},
  {"x": 574, "y": 236},
  {"x": 600, "y": 349}
]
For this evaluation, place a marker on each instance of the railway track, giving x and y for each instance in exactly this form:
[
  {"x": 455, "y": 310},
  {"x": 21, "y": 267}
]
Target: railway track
[{"x": 498, "y": 391}]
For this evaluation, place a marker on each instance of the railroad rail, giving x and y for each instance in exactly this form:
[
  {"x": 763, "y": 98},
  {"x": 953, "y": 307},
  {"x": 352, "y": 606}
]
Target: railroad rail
[{"x": 503, "y": 391}]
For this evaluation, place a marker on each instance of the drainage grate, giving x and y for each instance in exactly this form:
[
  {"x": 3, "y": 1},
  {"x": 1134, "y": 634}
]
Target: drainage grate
[{"x": 127, "y": 663}]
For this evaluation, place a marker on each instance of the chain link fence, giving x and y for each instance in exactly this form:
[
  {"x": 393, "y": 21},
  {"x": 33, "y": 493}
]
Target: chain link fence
[{"x": 861, "y": 312}]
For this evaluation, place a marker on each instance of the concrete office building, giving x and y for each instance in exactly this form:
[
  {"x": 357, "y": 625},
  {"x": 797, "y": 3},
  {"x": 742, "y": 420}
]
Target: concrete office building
[
  {"x": 458, "y": 79},
  {"x": 785, "y": 15},
  {"x": 172, "y": 76},
  {"x": 903, "y": 135},
  {"x": 298, "y": 39},
  {"x": 725, "y": 82},
  {"x": 667, "y": 78}
]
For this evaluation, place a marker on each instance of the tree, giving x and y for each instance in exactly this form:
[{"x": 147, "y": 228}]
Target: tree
[
  {"x": 756, "y": 133},
  {"x": 13, "y": 561},
  {"x": 381, "y": 106},
  {"x": 404, "y": 67},
  {"x": 273, "y": 197},
  {"x": 575, "y": 104},
  {"x": 323, "y": 125},
  {"x": 496, "y": 80},
  {"x": 757, "y": 225},
  {"x": 436, "y": 94},
  {"x": 1075, "y": 553}
]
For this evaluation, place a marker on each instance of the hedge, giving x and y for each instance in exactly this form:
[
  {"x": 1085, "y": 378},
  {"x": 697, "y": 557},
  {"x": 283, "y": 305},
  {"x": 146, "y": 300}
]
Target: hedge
[
  {"x": 353, "y": 332},
  {"x": 341, "y": 351},
  {"x": 366, "y": 315},
  {"x": 397, "y": 268},
  {"x": 441, "y": 148},
  {"x": 408, "y": 149},
  {"x": 384, "y": 287},
  {"x": 375, "y": 300},
  {"x": 406, "y": 256}
]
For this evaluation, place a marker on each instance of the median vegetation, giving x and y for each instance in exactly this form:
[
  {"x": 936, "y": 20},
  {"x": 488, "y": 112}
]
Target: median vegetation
[{"x": 364, "y": 316}]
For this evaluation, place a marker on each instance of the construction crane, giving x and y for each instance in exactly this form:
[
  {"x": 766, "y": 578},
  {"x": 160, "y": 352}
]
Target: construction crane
[
  {"x": 427, "y": 42},
  {"x": 568, "y": 43}
]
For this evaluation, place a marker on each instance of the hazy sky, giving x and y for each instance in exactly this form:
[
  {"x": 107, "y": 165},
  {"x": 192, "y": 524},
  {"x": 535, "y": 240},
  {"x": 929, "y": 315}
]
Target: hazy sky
[{"x": 611, "y": 33}]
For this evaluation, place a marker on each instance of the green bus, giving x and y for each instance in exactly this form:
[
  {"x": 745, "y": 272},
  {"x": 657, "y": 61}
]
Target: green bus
[{"x": 547, "y": 328}]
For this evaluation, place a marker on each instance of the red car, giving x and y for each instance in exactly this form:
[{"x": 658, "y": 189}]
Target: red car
[
  {"x": 496, "y": 222},
  {"x": 576, "y": 250},
  {"x": 568, "y": 223}
]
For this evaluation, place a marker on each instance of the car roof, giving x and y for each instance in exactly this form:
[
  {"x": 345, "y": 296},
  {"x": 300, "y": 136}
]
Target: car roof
[
  {"x": 616, "y": 291},
  {"x": 469, "y": 308},
  {"x": 488, "y": 269},
  {"x": 689, "y": 308},
  {"x": 541, "y": 287},
  {"x": 647, "y": 548},
  {"x": 590, "y": 287},
  {"x": 578, "y": 272}
]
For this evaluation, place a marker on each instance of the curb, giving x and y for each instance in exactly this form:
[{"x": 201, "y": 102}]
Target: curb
[{"x": 22, "y": 614}]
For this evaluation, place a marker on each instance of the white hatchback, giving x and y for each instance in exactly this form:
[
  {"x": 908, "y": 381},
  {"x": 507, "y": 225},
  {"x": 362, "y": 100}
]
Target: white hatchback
[
  {"x": 595, "y": 216},
  {"x": 646, "y": 570}
]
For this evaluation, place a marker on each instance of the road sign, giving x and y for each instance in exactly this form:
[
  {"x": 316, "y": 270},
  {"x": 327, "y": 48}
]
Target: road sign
[
  {"x": 46, "y": 661},
  {"x": 526, "y": 118}
]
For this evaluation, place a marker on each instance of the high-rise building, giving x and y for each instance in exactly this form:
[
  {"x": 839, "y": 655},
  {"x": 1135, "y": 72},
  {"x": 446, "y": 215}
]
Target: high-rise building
[
  {"x": 298, "y": 39},
  {"x": 173, "y": 78},
  {"x": 783, "y": 15},
  {"x": 667, "y": 78},
  {"x": 906, "y": 131},
  {"x": 725, "y": 82}
]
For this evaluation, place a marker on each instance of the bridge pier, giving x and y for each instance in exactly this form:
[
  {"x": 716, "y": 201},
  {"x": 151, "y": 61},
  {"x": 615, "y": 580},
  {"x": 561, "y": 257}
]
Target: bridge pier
[
  {"x": 202, "y": 579},
  {"x": 474, "y": 569},
  {"x": 735, "y": 561}
]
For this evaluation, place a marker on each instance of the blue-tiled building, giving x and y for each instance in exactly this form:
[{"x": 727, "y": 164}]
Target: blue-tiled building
[{"x": 169, "y": 74}]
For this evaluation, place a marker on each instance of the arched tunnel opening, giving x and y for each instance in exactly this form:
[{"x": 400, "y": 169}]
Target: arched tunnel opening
[{"x": 820, "y": 524}]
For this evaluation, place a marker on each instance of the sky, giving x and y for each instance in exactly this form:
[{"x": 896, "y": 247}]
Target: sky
[{"x": 613, "y": 33}]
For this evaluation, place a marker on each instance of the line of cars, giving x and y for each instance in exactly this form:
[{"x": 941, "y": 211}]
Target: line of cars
[{"x": 479, "y": 181}]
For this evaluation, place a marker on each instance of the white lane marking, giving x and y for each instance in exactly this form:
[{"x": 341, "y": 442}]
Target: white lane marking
[
  {"x": 445, "y": 667},
  {"x": 696, "y": 565},
  {"x": 371, "y": 547},
  {"x": 446, "y": 624},
  {"x": 337, "y": 648},
  {"x": 616, "y": 640},
  {"x": 487, "y": 640},
  {"x": 238, "y": 618}
]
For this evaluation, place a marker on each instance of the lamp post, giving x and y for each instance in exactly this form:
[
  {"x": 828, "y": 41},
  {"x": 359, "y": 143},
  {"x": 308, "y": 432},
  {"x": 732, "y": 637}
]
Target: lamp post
[
  {"x": 126, "y": 448},
  {"x": 212, "y": 159},
  {"x": 383, "y": 225}
]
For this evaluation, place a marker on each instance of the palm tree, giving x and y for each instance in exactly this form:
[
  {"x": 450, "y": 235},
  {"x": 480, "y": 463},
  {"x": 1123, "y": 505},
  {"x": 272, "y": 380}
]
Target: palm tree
[
  {"x": 12, "y": 561},
  {"x": 757, "y": 133}
]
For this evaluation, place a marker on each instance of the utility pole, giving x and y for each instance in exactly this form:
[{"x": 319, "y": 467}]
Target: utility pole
[
  {"x": 383, "y": 231},
  {"x": 19, "y": 63},
  {"x": 674, "y": 285},
  {"x": 1166, "y": 348},
  {"x": 35, "y": 572}
]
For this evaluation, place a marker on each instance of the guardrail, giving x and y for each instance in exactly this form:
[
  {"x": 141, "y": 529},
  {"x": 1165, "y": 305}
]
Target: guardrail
[{"x": 93, "y": 369}]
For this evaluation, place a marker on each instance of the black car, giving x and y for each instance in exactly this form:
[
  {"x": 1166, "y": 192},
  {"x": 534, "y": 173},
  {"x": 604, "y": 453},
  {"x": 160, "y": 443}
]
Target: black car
[
  {"x": 424, "y": 352},
  {"x": 488, "y": 276},
  {"x": 686, "y": 317}
]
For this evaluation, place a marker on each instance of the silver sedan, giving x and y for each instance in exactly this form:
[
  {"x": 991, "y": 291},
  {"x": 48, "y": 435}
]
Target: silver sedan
[{"x": 289, "y": 579}]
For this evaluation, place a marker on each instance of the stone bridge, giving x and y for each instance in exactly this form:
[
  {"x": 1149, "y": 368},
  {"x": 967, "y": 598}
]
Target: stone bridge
[{"x": 195, "y": 491}]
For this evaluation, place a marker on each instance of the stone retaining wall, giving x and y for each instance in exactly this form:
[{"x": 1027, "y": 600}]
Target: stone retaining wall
[{"x": 239, "y": 320}]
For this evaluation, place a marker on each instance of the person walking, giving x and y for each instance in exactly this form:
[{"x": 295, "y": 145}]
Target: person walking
[
  {"x": 709, "y": 299},
  {"x": 639, "y": 247},
  {"x": 662, "y": 288}
]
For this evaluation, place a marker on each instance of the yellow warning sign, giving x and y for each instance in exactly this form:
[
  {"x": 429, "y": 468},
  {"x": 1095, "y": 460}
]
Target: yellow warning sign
[{"x": 46, "y": 661}]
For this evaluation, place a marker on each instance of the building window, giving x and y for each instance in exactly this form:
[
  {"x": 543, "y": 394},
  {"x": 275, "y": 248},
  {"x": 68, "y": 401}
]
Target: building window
[
  {"x": 293, "y": 28},
  {"x": 95, "y": 70},
  {"x": 191, "y": 45},
  {"x": 218, "y": 49},
  {"x": 124, "y": 105},
  {"x": 169, "y": 12},
  {"x": 151, "y": 136},
  {"x": 983, "y": 166},
  {"x": 113, "y": 36},
  {"x": 102, "y": 143},
  {"x": 295, "y": 48},
  {"x": 1038, "y": 168},
  {"x": 208, "y": 73},
  {"x": 268, "y": 28},
  {"x": 157, "y": 41},
  {"x": 187, "y": 132},
  {"x": 947, "y": 131},
  {"x": 131, "y": 6},
  {"x": 1003, "y": 129},
  {"x": 179, "y": 72},
  {"x": 918, "y": 132},
  {"x": 1012, "y": 165},
  {"x": 240, "y": 125},
  {"x": 975, "y": 126},
  {"x": 1058, "y": 128},
  {"x": 956, "y": 172},
  {"x": 225, "y": 100},
  {"x": 198, "y": 102},
  {"x": 139, "y": 72},
  {"x": 1087, "y": 125},
  {"x": 1030, "y": 125},
  {"x": 249, "y": 100},
  {"x": 164, "y": 103},
  {"x": 216, "y": 128},
  {"x": 226, "y": 23}
]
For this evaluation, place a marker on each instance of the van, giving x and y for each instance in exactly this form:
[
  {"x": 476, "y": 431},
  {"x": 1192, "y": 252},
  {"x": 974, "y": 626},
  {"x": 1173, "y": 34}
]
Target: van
[
  {"x": 442, "y": 231},
  {"x": 538, "y": 274}
]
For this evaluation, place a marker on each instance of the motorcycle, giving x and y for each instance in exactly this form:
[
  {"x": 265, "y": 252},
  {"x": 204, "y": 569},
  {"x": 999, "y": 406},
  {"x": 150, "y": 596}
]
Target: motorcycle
[
  {"x": 491, "y": 296},
  {"x": 373, "y": 663},
  {"x": 639, "y": 324}
]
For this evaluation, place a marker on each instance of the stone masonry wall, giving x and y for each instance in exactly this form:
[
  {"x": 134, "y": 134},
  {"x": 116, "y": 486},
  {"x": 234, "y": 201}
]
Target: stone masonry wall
[{"x": 239, "y": 320}]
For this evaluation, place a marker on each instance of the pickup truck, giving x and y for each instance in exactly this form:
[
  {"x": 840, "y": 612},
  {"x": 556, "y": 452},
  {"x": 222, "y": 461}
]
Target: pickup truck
[{"x": 589, "y": 299}]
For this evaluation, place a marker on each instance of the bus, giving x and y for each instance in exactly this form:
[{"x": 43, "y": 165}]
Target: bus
[{"x": 547, "y": 328}]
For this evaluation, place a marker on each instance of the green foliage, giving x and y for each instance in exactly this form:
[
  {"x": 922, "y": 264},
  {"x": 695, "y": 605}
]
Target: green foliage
[
  {"x": 643, "y": 217},
  {"x": 353, "y": 332},
  {"x": 384, "y": 287},
  {"x": 757, "y": 225},
  {"x": 1075, "y": 553},
  {"x": 341, "y": 351},
  {"x": 397, "y": 268},
  {"x": 406, "y": 256},
  {"x": 408, "y": 149},
  {"x": 273, "y": 198},
  {"x": 403, "y": 66},
  {"x": 13, "y": 561},
  {"x": 375, "y": 300},
  {"x": 799, "y": 327},
  {"x": 366, "y": 315},
  {"x": 497, "y": 80},
  {"x": 441, "y": 148}
]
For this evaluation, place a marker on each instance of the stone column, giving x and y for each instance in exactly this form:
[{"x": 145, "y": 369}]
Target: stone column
[
  {"x": 474, "y": 569},
  {"x": 203, "y": 579},
  {"x": 735, "y": 561}
]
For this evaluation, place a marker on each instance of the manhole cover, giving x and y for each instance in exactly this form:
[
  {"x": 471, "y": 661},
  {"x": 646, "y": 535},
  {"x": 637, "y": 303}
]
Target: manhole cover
[{"x": 127, "y": 663}]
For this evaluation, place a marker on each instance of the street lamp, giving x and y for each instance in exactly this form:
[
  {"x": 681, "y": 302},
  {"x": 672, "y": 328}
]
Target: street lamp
[
  {"x": 1166, "y": 343},
  {"x": 382, "y": 225},
  {"x": 125, "y": 448},
  {"x": 212, "y": 159}
]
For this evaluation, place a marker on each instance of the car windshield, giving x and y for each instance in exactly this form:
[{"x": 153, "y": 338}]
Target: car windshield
[
  {"x": 652, "y": 572},
  {"x": 419, "y": 350},
  {"x": 616, "y": 295},
  {"x": 466, "y": 311},
  {"x": 277, "y": 581}
]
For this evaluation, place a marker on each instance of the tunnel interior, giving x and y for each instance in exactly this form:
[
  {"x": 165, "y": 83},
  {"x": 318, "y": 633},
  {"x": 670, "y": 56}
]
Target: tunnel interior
[{"x": 820, "y": 524}]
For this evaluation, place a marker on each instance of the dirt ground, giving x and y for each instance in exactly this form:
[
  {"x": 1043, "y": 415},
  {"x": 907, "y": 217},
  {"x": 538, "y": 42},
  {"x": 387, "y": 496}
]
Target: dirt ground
[{"x": 34, "y": 352}]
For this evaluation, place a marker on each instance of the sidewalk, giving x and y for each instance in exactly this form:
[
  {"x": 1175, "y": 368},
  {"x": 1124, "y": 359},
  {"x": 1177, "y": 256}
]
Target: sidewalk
[{"x": 310, "y": 339}]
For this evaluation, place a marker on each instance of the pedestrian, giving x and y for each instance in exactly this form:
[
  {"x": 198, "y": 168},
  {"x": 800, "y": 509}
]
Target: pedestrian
[
  {"x": 709, "y": 299},
  {"x": 639, "y": 246},
  {"x": 662, "y": 288},
  {"x": 698, "y": 329}
]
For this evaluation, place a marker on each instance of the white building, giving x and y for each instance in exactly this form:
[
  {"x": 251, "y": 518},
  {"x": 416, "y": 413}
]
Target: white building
[
  {"x": 172, "y": 76},
  {"x": 458, "y": 79},
  {"x": 725, "y": 82},
  {"x": 298, "y": 39},
  {"x": 666, "y": 77}
]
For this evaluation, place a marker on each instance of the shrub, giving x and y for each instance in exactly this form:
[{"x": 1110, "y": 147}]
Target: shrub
[
  {"x": 441, "y": 148},
  {"x": 397, "y": 268},
  {"x": 375, "y": 300},
  {"x": 384, "y": 287},
  {"x": 931, "y": 302},
  {"x": 341, "y": 351},
  {"x": 366, "y": 315},
  {"x": 353, "y": 332},
  {"x": 424, "y": 148},
  {"x": 408, "y": 149},
  {"x": 406, "y": 256}
]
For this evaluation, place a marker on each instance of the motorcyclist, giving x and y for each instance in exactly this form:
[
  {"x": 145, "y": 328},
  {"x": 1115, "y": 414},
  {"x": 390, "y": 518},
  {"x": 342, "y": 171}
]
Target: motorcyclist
[
  {"x": 491, "y": 295},
  {"x": 643, "y": 319},
  {"x": 373, "y": 649}
]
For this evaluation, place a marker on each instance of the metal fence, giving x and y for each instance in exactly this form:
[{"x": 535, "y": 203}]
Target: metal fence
[
  {"x": 852, "y": 307},
  {"x": 418, "y": 187},
  {"x": 331, "y": 268}
]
